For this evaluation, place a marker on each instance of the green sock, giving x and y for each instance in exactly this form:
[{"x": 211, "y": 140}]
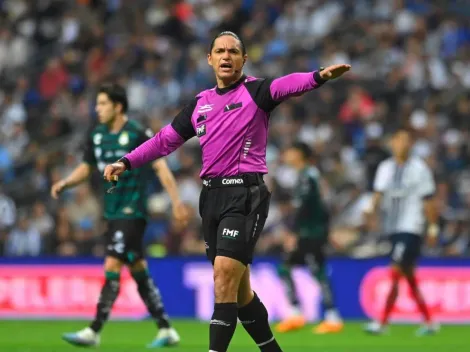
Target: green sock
[
  {"x": 285, "y": 274},
  {"x": 108, "y": 296}
]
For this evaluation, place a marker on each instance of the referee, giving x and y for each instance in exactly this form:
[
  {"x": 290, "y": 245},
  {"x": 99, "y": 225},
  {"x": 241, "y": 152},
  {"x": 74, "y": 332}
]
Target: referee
[{"x": 231, "y": 122}]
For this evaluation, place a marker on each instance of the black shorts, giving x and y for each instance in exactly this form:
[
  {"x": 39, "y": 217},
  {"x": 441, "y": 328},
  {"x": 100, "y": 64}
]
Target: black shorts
[
  {"x": 234, "y": 211},
  {"x": 406, "y": 248},
  {"x": 124, "y": 239},
  {"x": 309, "y": 251}
]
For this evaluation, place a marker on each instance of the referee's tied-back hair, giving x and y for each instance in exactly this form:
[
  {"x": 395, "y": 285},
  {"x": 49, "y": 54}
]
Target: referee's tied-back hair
[
  {"x": 116, "y": 93},
  {"x": 231, "y": 34},
  {"x": 303, "y": 148}
]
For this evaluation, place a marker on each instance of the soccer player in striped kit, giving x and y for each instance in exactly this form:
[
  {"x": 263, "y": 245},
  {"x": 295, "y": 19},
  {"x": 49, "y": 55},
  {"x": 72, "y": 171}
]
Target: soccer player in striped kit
[{"x": 405, "y": 187}]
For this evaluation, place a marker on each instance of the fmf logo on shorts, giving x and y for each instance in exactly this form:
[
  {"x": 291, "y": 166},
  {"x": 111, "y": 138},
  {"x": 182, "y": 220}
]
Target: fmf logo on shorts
[
  {"x": 445, "y": 290},
  {"x": 232, "y": 181},
  {"x": 230, "y": 233}
]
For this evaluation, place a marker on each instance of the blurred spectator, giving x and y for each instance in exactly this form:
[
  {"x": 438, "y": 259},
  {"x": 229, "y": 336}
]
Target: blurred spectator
[
  {"x": 6, "y": 165},
  {"x": 24, "y": 239},
  {"x": 41, "y": 220},
  {"x": 84, "y": 210},
  {"x": 53, "y": 79},
  {"x": 58, "y": 126},
  {"x": 7, "y": 211},
  {"x": 63, "y": 243},
  {"x": 18, "y": 141},
  {"x": 375, "y": 152},
  {"x": 14, "y": 50},
  {"x": 359, "y": 106},
  {"x": 411, "y": 65}
]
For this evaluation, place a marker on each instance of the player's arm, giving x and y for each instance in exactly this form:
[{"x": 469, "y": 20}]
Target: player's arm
[
  {"x": 169, "y": 183},
  {"x": 432, "y": 215},
  {"x": 167, "y": 179},
  {"x": 427, "y": 190},
  {"x": 80, "y": 174},
  {"x": 379, "y": 189},
  {"x": 374, "y": 204},
  {"x": 268, "y": 94},
  {"x": 170, "y": 138}
]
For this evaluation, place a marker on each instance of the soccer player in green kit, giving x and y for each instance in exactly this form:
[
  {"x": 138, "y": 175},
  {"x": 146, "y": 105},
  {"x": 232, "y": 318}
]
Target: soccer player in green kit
[
  {"x": 125, "y": 212},
  {"x": 307, "y": 246}
]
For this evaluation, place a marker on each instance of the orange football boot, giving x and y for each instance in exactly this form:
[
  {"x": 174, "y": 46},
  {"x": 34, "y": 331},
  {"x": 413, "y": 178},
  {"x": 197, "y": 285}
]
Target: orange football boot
[
  {"x": 326, "y": 327},
  {"x": 291, "y": 324}
]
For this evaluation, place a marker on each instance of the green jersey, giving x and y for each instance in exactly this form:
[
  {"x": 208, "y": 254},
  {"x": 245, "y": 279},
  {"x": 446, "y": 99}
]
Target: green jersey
[
  {"x": 129, "y": 199},
  {"x": 312, "y": 216}
]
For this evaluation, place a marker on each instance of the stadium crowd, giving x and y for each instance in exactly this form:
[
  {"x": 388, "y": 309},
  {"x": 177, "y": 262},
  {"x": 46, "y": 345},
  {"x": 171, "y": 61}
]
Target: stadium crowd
[{"x": 411, "y": 64}]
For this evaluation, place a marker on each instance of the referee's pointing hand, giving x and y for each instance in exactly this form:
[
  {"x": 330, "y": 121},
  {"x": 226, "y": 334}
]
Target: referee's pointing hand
[
  {"x": 112, "y": 171},
  {"x": 334, "y": 71}
]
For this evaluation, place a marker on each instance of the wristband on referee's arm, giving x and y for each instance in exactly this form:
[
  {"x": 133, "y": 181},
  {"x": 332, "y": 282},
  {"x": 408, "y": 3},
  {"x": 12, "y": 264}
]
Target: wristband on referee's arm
[
  {"x": 126, "y": 162},
  {"x": 433, "y": 230},
  {"x": 317, "y": 76}
]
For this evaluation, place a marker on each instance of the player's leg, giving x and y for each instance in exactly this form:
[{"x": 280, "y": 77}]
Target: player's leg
[
  {"x": 134, "y": 231},
  {"x": 410, "y": 259},
  {"x": 224, "y": 317},
  {"x": 317, "y": 265},
  {"x": 284, "y": 271},
  {"x": 378, "y": 327},
  {"x": 150, "y": 294},
  {"x": 227, "y": 275},
  {"x": 399, "y": 246},
  {"x": 295, "y": 320},
  {"x": 109, "y": 293},
  {"x": 254, "y": 316},
  {"x": 237, "y": 234}
]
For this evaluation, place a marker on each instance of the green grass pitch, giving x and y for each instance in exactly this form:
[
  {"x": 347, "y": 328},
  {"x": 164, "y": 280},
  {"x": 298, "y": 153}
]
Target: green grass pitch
[{"x": 42, "y": 336}]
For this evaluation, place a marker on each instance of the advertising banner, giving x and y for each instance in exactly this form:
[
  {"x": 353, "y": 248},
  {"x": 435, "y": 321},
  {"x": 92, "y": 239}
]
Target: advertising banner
[
  {"x": 61, "y": 291},
  {"x": 69, "y": 288}
]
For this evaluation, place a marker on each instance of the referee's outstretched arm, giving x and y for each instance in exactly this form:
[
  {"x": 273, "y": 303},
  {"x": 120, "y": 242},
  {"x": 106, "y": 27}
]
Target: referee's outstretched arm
[{"x": 174, "y": 135}]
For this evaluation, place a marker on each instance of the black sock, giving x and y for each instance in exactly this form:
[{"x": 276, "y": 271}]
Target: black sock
[
  {"x": 109, "y": 293},
  {"x": 286, "y": 276},
  {"x": 223, "y": 325},
  {"x": 152, "y": 298},
  {"x": 254, "y": 318}
]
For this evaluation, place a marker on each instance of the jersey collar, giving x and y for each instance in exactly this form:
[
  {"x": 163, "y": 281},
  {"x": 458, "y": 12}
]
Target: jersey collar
[{"x": 222, "y": 91}]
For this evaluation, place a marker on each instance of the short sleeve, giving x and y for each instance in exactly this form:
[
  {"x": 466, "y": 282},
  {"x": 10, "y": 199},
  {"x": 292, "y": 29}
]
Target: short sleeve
[
  {"x": 427, "y": 185},
  {"x": 88, "y": 155},
  {"x": 380, "y": 181}
]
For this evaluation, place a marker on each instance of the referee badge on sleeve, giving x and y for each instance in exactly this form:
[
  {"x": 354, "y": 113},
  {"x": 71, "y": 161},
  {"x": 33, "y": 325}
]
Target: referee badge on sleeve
[{"x": 201, "y": 130}]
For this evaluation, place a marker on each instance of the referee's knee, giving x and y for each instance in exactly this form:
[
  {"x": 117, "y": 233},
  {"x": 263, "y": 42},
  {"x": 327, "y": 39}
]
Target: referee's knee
[{"x": 227, "y": 275}]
